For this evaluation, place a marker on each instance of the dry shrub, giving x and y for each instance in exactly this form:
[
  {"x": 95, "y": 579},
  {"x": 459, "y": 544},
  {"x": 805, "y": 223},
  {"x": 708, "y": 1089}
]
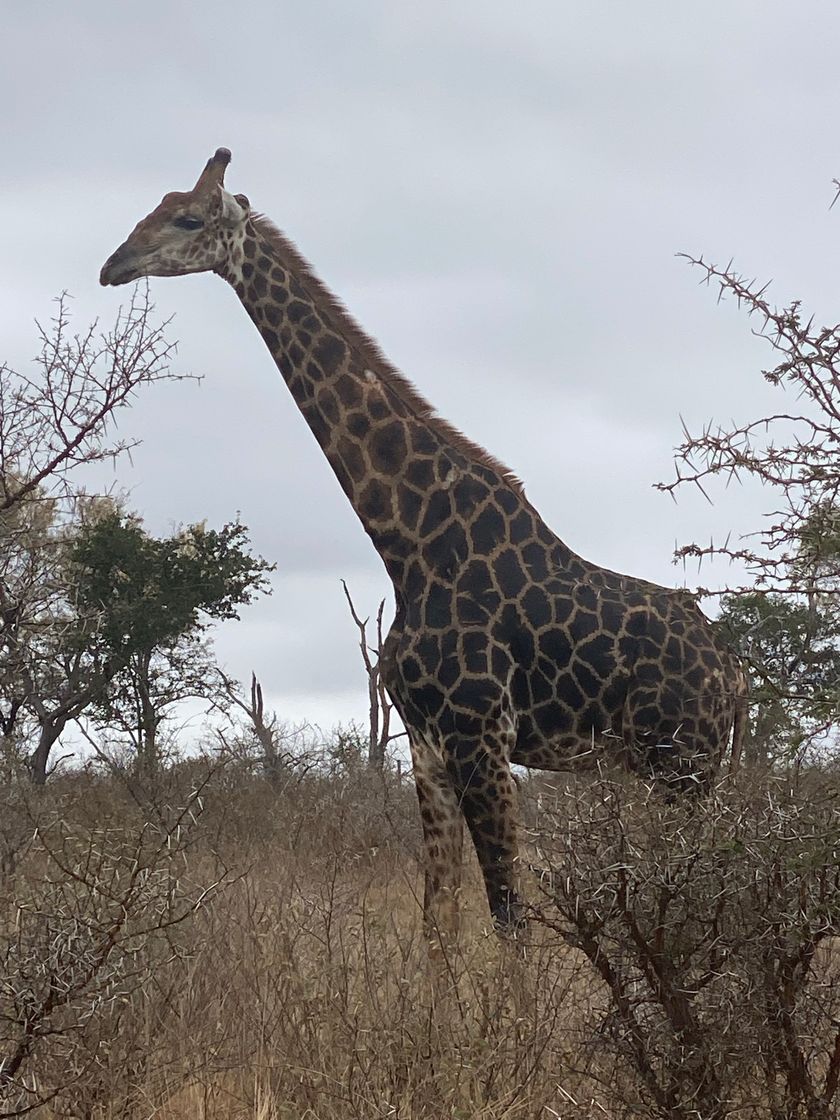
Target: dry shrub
[
  {"x": 300, "y": 988},
  {"x": 713, "y": 930},
  {"x": 90, "y": 910},
  {"x": 680, "y": 952}
]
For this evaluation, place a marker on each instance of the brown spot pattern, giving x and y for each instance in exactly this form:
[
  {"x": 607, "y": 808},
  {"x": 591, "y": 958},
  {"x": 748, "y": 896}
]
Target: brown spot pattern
[{"x": 507, "y": 647}]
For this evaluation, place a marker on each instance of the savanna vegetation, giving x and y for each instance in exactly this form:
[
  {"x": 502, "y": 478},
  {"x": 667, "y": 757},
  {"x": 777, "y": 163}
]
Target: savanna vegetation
[{"x": 236, "y": 931}]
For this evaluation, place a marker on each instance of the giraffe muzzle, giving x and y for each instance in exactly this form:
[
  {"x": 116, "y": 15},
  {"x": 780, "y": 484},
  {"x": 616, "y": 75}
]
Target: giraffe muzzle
[{"x": 120, "y": 268}]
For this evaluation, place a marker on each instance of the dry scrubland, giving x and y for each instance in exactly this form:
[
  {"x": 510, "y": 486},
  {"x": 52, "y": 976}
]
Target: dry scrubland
[
  {"x": 221, "y": 946},
  {"x": 217, "y": 944}
]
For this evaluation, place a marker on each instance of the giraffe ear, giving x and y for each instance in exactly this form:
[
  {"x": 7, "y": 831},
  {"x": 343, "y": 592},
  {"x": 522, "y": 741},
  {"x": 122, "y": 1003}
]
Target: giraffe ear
[{"x": 233, "y": 212}]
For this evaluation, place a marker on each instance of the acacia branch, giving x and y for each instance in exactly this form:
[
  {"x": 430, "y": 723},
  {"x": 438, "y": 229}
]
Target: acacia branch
[{"x": 794, "y": 454}]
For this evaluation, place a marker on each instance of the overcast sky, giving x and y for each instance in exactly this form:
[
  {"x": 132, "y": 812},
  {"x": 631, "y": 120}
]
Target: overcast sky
[{"x": 496, "y": 190}]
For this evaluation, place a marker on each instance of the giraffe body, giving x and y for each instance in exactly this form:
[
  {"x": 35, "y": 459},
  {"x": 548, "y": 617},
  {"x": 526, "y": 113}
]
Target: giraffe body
[{"x": 506, "y": 647}]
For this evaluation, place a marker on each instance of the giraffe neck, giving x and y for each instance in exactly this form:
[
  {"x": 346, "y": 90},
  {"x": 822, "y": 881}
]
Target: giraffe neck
[{"x": 401, "y": 466}]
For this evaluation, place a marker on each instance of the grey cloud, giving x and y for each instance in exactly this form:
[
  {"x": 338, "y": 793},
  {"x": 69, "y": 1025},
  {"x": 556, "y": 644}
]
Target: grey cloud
[{"x": 496, "y": 191}]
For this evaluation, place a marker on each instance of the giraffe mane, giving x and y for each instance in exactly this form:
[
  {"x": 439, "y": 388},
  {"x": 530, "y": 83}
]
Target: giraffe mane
[{"x": 371, "y": 353}]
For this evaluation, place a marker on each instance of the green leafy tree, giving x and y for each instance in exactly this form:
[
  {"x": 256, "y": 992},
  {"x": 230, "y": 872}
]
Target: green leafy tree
[
  {"x": 55, "y": 421},
  {"x": 791, "y": 649},
  {"x": 791, "y": 645},
  {"x": 28, "y": 544},
  {"x": 47, "y": 676},
  {"x": 154, "y": 600}
]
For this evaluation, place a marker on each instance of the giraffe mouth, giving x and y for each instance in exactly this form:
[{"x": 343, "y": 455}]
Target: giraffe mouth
[{"x": 120, "y": 268}]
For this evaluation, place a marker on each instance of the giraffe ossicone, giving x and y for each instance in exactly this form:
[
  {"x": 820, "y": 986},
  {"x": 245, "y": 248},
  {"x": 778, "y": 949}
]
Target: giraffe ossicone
[{"x": 507, "y": 647}]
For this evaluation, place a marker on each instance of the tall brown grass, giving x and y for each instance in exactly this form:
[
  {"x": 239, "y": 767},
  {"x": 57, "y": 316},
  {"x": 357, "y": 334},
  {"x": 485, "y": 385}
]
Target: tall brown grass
[
  {"x": 300, "y": 986},
  {"x": 272, "y": 964}
]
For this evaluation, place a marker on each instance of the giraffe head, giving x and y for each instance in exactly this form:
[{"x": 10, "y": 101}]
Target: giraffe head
[{"x": 189, "y": 231}]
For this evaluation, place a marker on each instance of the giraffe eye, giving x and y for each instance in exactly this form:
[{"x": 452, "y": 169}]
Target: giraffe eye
[{"x": 188, "y": 222}]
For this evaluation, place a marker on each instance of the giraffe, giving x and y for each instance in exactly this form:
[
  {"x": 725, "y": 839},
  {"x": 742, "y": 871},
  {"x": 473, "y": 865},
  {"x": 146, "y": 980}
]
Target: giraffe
[{"x": 506, "y": 647}]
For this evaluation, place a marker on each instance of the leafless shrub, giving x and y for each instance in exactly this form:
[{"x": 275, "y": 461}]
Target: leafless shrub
[
  {"x": 785, "y": 623},
  {"x": 90, "y": 918},
  {"x": 304, "y": 988},
  {"x": 715, "y": 938}
]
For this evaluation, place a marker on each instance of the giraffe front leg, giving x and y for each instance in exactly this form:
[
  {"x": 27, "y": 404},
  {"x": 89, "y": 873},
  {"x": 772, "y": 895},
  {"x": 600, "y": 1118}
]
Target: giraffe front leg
[
  {"x": 486, "y": 792},
  {"x": 443, "y": 832}
]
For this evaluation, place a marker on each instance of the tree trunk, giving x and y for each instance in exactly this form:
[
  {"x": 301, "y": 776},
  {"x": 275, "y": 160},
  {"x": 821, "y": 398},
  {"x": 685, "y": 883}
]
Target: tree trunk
[
  {"x": 147, "y": 748},
  {"x": 50, "y": 732},
  {"x": 763, "y": 728}
]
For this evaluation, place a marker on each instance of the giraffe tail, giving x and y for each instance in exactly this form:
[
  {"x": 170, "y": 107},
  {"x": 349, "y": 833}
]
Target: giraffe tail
[{"x": 740, "y": 722}]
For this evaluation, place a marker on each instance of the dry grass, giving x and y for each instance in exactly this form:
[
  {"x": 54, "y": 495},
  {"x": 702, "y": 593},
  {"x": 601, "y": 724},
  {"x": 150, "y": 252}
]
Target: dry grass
[{"x": 300, "y": 985}]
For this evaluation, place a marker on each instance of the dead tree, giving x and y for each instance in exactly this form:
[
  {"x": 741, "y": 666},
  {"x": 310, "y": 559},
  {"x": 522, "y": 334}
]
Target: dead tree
[
  {"x": 380, "y": 707},
  {"x": 275, "y": 762}
]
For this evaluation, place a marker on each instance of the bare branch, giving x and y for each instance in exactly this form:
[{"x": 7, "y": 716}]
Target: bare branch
[
  {"x": 794, "y": 453},
  {"x": 379, "y": 702}
]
